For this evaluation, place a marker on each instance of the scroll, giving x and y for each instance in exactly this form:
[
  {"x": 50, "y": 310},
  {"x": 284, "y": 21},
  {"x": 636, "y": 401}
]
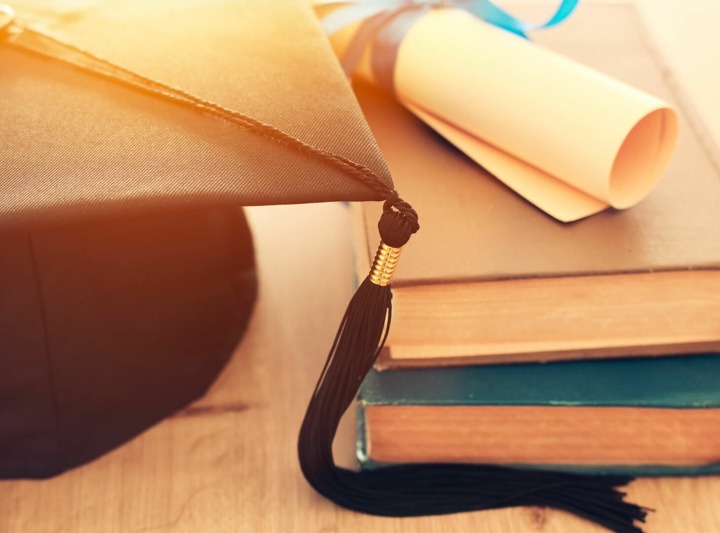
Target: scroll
[{"x": 570, "y": 140}]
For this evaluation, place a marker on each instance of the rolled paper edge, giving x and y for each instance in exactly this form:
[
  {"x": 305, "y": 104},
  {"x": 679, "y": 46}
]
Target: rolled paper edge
[{"x": 627, "y": 184}]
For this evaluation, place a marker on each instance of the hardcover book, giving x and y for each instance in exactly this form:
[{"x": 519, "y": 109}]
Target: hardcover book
[
  {"x": 490, "y": 278},
  {"x": 644, "y": 416}
]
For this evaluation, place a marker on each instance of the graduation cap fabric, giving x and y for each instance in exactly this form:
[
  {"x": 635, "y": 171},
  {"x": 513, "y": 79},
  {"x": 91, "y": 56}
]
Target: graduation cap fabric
[{"x": 120, "y": 115}]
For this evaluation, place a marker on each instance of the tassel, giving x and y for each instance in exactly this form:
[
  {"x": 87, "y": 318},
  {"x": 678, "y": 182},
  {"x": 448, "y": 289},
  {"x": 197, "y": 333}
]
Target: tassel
[{"x": 425, "y": 489}]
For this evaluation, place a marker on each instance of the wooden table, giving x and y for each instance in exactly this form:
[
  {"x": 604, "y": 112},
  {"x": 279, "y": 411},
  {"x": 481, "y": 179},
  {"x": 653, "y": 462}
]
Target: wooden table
[{"x": 228, "y": 463}]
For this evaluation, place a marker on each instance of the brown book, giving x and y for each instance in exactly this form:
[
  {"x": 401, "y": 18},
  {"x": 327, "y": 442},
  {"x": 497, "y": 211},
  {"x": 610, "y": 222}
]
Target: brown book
[{"x": 490, "y": 278}]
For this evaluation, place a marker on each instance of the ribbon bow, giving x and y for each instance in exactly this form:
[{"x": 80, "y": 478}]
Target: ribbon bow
[{"x": 385, "y": 23}]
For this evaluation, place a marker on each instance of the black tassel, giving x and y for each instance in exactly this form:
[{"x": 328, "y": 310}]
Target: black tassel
[{"x": 427, "y": 489}]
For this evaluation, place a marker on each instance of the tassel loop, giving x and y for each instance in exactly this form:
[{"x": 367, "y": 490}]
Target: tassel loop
[{"x": 398, "y": 222}]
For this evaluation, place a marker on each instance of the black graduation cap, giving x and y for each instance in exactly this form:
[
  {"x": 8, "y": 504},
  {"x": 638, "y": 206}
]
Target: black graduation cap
[{"x": 131, "y": 133}]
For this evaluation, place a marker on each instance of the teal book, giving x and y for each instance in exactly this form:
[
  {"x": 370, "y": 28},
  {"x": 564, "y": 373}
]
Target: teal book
[{"x": 643, "y": 416}]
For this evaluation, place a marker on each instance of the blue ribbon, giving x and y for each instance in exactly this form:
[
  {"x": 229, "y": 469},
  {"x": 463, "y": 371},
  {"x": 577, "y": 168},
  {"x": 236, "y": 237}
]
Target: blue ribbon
[{"x": 385, "y": 23}]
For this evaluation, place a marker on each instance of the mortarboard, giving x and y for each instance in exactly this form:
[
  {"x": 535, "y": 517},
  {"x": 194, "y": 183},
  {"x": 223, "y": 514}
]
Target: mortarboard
[{"x": 135, "y": 110}]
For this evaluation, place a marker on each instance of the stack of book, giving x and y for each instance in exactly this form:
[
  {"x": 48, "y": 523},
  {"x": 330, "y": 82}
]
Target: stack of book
[{"x": 520, "y": 340}]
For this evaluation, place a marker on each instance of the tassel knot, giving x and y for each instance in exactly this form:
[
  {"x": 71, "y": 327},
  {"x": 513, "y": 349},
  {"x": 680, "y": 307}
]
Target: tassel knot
[{"x": 398, "y": 222}]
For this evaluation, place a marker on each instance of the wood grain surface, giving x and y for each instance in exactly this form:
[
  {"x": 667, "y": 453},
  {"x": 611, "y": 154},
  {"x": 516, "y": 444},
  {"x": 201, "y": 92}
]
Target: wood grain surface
[{"x": 228, "y": 463}]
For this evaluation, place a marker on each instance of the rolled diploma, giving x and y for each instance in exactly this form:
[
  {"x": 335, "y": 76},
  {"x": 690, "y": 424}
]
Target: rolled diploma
[{"x": 567, "y": 138}]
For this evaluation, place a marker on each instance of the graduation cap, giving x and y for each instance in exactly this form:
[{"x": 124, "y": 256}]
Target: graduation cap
[{"x": 132, "y": 113}]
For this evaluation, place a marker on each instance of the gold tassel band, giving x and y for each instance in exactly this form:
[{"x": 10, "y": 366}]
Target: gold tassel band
[{"x": 384, "y": 265}]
